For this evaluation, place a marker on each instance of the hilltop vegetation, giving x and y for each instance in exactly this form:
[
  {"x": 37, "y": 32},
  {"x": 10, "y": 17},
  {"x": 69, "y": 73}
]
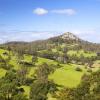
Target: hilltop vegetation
[{"x": 60, "y": 68}]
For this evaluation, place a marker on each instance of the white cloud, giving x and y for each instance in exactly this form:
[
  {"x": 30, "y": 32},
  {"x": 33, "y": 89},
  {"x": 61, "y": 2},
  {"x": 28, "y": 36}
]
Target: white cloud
[
  {"x": 40, "y": 11},
  {"x": 25, "y": 35},
  {"x": 84, "y": 32},
  {"x": 91, "y": 35},
  {"x": 64, "y": 11}
]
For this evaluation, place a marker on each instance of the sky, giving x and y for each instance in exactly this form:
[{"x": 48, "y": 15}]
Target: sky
[{"x": 29, "y": 20}]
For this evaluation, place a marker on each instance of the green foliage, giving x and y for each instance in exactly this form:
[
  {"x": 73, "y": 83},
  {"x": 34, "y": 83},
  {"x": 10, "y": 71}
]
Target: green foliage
[
  {"x": 21, "y": 75},
  {"x": 9, "y": 87},
  {"x": 39, "y": 91},
  {"x": 89, "y": 70},
  {"x": 19, "y": 97},
  {"x": 78, "y": 69},
  {"x": 41, "y": 87},
  {"x": 34, "y": 59}
]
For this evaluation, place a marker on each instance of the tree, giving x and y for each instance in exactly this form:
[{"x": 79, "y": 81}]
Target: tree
[
  {"x": 63, "y": 58},
  {"x": 34, "y": 59},
  {"x": 19, "y": 97},
  {"x": 43, "y": 71},
  {"x": 88, "y": 89},
  {"x": 22, "y": 75},
  {"x": 9, "y": 88},
  {"x": 42, "y": 86}
]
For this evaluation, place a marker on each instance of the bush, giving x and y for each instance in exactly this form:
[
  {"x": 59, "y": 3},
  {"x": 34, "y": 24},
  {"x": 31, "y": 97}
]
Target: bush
[
  {"x": 25, "y": 63},
  {"x": 6, "y": 66},
  {"x": 89, "y": 70},
  {"x": 28, "y": 81},
  {"x": 78, "y": 69},
  {"x": 58, "y": 65},
  {"x": 85, "y": 67}
]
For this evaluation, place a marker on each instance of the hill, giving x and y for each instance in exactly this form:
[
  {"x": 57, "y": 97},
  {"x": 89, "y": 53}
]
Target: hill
[
  {"x": 64, "y": 39},
  {"x": 44, "y": 69}
]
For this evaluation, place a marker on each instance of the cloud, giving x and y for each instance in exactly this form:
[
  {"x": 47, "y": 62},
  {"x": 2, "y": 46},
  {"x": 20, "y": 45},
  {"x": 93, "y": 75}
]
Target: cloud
[
  {"x": 91, "y": 35},
  {"x": 25, "y": 35},
  {"x": 40, "y": 11},
  {"x": 65, "y": 11}
]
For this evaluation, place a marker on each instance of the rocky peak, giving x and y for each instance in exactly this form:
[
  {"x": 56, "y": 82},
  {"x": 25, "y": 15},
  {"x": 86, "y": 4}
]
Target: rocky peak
[{"x": 69, "y": 35}]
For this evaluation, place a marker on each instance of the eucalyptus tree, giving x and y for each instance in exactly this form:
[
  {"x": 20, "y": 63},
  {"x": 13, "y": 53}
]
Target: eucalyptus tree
[{"x": 42, "y": 86}]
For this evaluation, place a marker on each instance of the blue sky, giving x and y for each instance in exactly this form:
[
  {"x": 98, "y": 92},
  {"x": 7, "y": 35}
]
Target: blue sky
[{"x": 28, "y": 20}]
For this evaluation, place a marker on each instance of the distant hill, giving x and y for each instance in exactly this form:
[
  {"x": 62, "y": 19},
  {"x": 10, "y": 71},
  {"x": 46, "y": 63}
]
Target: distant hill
[{"x": 64, "y": 39}]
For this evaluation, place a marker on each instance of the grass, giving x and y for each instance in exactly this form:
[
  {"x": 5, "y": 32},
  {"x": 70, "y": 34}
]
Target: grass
[
  {"x": 67, "y": 76},
  {"x": 31, "y": 71},
  {"x": 54, "y": 50},
  {"x": 81, "y": 52},
  {"x": 69, "y": 45},
  {"x": 26, "y": 89},
  {"x": 2, "y": 72},
  {"x": 44, "y": 60},
  {"x": 28, "y": 58},
  {"x": 50, "y": 97},
  {"x": 96, "y": 65},
  {"x": 2, "y": 51}
]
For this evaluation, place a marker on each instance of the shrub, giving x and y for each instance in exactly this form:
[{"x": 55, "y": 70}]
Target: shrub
[
  {"x": 28, "y": 81},
  {"x": 78, "y": 69},
  {"x": 25, "y": 63},
  {"x": 89, "y": 70}
]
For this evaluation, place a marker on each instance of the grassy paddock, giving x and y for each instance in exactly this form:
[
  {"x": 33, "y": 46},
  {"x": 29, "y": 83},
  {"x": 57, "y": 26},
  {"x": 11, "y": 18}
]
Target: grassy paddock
[{"x": 67, "y": 76}]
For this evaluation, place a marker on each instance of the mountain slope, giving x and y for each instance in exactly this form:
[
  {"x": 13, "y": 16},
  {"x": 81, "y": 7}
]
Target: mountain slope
[{"x": 64, "y": 39}]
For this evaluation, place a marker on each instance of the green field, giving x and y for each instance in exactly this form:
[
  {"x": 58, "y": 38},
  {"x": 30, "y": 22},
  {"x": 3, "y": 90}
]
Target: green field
[
  {"x": 81, "y": 52},
  {"x": 2, "y": 72},
  {"x": 67, "y": 76}
]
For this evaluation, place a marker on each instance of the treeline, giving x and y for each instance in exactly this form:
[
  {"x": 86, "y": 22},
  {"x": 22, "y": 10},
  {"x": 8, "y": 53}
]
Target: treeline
[
  {"x": 61, "y": 54},
  {"x": 55, "y": 42}
]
